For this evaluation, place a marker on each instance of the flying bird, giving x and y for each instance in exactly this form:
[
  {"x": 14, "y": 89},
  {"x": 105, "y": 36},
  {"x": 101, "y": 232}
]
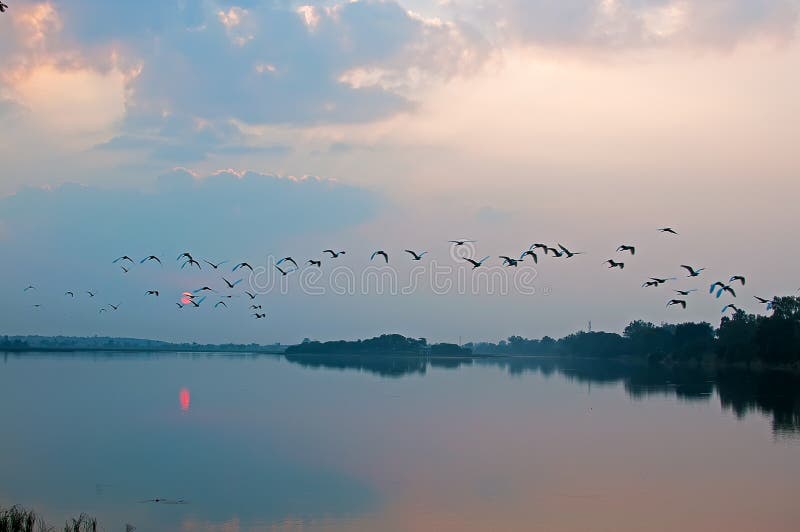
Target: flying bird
[
  {"x": 614, "y": 264},
  {"x": 762, "y": 300},
  {"x": 569, "y": 253},
  {"x": 250, "y": 294},
  {"x": 626, "y": 247},
  {"x": 722, "y": 288},
  {"x": 124, "y": 269},
  {"x": 215, "y": 266},
  {"x": 414, "y": 255},
  {"x": 197, "y": 302},
  {"x": 648, "y": 284},
  {"x": 334, "y": 254},
  {"x": 231, "y": 284},
  {"x": 124, "y": 257},
  {"x": 317, "y": 263},
  {"x": 91, "y": 294},
  {"x": 692, "y": 272},
  {"x": 477, "y": 263},
  {"x": 102, "y": 310},
  {"x": 151, "y": 293},
  {"x": 283, "y": 272},
  {"x": 680, "y": 302},
  {"x": 685, "y": 292},
  {"x": 114, "y": 307},
  {"x": 218, "y": 303},
  {"x": 204, "y": 289},
  {"x": 259, "y": 316},
  {"x": 730, "y": 306},
  {"x": 185, "y": 255},
  {"x": 29, "y": 287},
  {"x": 151, "y": 257},
  {"x": 739, "y": 278},
  {"x": 242, "y": 265},
  {"x": 668, "y": 230},
  {"x": 530, "y": 253},
  {"x": 381, "y": 253},
  {"x": 70, "y": 294},
  {"x": 287, "y": 259},
  {"x": 255, "y": 307},
  {"x": 3, "y": 7},
  {"x": 554, "y": 251},
  {"x": 461, "y": 242},
  {"x": 191, "y": 262},
  {"x": 508, "y": 261}
]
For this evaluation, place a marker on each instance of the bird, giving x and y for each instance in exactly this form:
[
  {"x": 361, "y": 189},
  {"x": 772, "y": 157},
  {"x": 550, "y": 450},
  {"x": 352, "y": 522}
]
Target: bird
[
  {"x": 287, "y": 259},
  {"x": 231, "y": 284},
  {"x": 508, "y": 261},
  {"x": 414, "y": 255},
  {"x": 722, "y": 288},
  {"x": 462, "y": 242},
  {"x": 70, "y": 294},
  {"x": 184, "y": 255},
  {"x": 648, "y": 284},
  {"x": 569, "y": 253},
  {"x": 381, "y": 253},
  {"x": 739, "y": 278},
  {"x": 477, "y": 263},
  {"x": 259, "y": 316},
  {"x": 614, "y": 264},
  {"x": 312, "y": 262},
  {"x": 685, "y": 292},
  {"x": 29, "y": 287},
  {"x": 762, "y": 300},
  {"x": 151, "y": 293},
  {"x": 730, "y": 306},
  {"x": 250, "y": 294},
  {"x": 114, "y": 307},
  {"x": 180, "y": 306},
  {"x": 102, "y": 310},
  {"x": 554, "y": 251},
  {"x": 218, "y": 303},
  {"x": 660, "y": 281},
  {"x": 255, "y": 307},
  {"x": 124, "y": 257},
  {"x": 543, "y": 247},
  {"x": 3, "y": 7},
  {"x": 215, "y": 266},
  {"x": 204, "y": 289},
  {"x": 334, "y": 254},
  {"x": 530, "y": 253},
  {"x": 124, "y": 269},
  {"x": 150, "y": 257},
  {"x": 668, "y": 230},
  {"x": 628, "y": 248},
  {"x": 37, "y": 305},
  {"x": 191, "y": 262},
  {"x": 283, "y": 272},
  {"x": 197, "y": 302},
  {"x": 242, "y": 265},
  {"x": 680, "y": 302},
  {"x": 91, "y": 294},
  {"x": 692, "y": 272}
]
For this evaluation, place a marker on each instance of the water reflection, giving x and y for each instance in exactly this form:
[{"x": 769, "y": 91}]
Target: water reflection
[{"x": 184, "y": 397}]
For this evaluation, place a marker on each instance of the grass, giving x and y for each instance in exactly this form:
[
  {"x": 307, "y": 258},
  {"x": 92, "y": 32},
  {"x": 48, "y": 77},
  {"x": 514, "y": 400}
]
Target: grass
[{"x": 18, "y": 519}]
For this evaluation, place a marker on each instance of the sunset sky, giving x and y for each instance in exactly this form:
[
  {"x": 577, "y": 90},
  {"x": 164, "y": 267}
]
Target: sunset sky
[{"x": 264, "y": 128}]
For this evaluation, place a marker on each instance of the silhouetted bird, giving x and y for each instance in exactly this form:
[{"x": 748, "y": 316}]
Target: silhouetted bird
[
  {"x": 91, "y": 294},
  {"x": 283, "y": 272},
  {"x": 530, "y": 253},
  {"x": 204, "y": 289},
  {"x": 231, "y": 284},
  {"x": 648, "y": 284},
  {"x": 739, "y": 278},
  {"x": 668, "y": 230},
  {"x": 151, "y": 293},
  {"x": 614, "y": 264},
  {"x": 196, "y": 302},
  {"x": 114, "y": 307},
  {"x": 508, "y": 261},
  {"x": 569, "y": 253},
  {"x": 151, "y": 257},
  {"x": 461, "y": 242},
  {"x": 685, "y": 292},
  {"x": 334, "y": 254},
  {"x": 124, "y": 257},
  {"x": 242, "y": 265},
  {"x": 191, "y": 262},
  {"x": 70, "y": 294},
  {"x": 3, "y": 7},
  {"x": 762, "y": 300},
  {"x": 477, "y": 263},
  {"x": 218, "y": 303},
  {"x": 680, "y": 302},
  {"x": 259, "y": 316},
  {"x": 381, "y": 253},
  {"x": 317, "y": 263},
  {"x": 215, "y": 266},
  {"x": 554, "y": 251},
  {"x": 414, "y": 255},
  {"x": 543, "y": 247},
  {"x": 730, "y": 306},
  {"x": 692, "y": 271},
  {"x": 660, "y": 281},
  {"x": 255, "y": 307},
  {"x": 124, "y": 269},
  {"x": 288, "y": 259},
  {"x": 29, "y": 287},
  {"x": 250, "y": 295},
  {"x": 626, "y": 247},
  {"x": 722, "y": 288}
]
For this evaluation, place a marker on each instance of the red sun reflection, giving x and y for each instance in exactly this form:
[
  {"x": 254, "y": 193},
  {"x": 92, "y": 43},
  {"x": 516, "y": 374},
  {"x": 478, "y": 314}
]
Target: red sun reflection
[
  {"x": 186, "y": 298},
  {"x": 184, "y": 397}
]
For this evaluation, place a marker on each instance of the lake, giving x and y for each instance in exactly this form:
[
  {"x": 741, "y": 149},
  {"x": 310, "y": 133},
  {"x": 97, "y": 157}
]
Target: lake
[{"x": 390, "y": 444}]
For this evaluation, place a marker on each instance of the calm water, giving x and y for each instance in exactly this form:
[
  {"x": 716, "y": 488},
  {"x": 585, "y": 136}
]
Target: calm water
[{"x": 263, "y": 443}]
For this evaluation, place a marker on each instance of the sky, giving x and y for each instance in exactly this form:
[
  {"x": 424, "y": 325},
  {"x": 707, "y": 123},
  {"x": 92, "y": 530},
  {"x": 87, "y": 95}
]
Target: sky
[{"x": 258, "y": 129}]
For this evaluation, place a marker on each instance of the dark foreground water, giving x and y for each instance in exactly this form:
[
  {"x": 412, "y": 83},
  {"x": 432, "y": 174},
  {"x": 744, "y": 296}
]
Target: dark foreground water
[{"x": 314, "y": 443}]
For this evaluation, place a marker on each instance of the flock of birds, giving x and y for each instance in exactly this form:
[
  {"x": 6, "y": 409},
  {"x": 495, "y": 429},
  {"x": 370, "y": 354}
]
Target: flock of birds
[{"x": 287, "y": 265}]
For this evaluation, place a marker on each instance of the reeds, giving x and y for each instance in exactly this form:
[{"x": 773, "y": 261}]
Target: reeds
[{"x": 18, "y": 519}]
